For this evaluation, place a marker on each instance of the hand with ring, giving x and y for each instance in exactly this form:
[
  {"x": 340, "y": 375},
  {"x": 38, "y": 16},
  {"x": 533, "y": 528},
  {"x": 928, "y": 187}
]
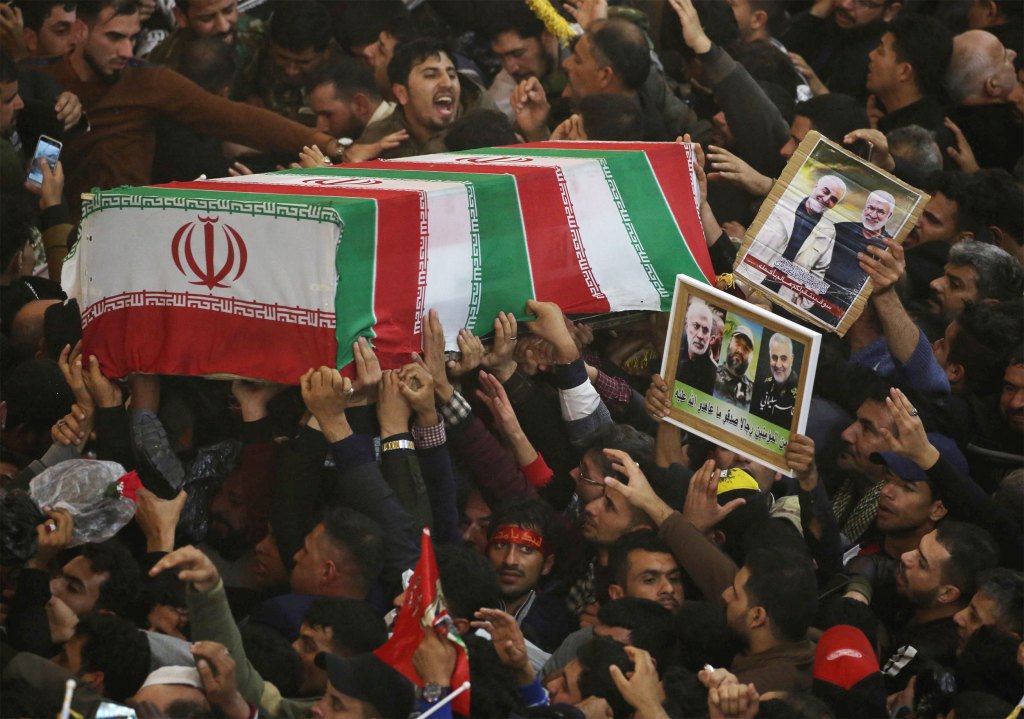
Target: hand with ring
[{"x": 910, "y": 439}]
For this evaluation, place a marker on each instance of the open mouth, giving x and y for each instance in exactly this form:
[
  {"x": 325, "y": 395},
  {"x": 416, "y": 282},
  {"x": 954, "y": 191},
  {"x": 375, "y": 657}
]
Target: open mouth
[{"x": 445, "y": 105}]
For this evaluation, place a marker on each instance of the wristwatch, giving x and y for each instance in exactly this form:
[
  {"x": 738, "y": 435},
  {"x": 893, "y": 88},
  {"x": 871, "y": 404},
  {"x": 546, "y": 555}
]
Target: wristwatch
[{"x": 433, "y": 693}]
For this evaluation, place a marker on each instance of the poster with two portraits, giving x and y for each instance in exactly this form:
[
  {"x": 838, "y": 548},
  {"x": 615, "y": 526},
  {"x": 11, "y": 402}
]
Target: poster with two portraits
[{"x": 741, "y": 376}]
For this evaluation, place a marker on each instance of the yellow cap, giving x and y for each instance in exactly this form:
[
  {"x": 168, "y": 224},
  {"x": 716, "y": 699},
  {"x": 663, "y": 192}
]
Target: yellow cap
[{"x": 732, "y": 479}]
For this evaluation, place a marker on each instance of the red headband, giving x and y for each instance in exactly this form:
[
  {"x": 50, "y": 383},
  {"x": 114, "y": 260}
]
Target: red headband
[{"x": 519, "y": 535}]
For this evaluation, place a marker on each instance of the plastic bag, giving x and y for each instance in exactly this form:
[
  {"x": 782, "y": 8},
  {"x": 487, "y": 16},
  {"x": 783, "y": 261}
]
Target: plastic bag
[
  {"x": 99, "y": 495},
  {"x": 203, "y": 480}
]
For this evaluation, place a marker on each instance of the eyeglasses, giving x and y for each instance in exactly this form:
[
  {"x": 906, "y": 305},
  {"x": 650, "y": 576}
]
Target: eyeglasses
[{"x": 584, "y": 479}]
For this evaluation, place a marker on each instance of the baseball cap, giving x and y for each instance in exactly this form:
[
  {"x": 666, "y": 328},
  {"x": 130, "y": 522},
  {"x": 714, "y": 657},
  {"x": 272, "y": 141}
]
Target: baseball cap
[
  {"x": 734, "y": 479},
  {"x": 744, "y": 331},
  {"x": 906, "y": 469},
  {"x": 846, "y": 673},
  {"x": 368, "y": 678}
]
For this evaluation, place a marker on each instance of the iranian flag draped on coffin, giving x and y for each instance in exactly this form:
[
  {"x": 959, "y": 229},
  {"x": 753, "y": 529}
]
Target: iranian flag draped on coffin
[{"x": 264, "y": 276}]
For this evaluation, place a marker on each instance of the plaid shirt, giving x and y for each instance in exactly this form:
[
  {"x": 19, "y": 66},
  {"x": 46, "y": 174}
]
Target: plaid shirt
[
  {"x": 455, "y": 411},
  {"x": 429, "y": 437}
]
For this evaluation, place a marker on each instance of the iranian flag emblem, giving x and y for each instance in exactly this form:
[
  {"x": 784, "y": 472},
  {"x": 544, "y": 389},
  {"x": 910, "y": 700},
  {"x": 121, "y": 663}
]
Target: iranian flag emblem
[{"x": 264, "y": 276}]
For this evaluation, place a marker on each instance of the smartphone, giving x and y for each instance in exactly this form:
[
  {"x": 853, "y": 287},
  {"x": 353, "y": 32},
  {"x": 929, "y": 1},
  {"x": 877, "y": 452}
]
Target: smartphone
[
  {"x": 48, "y": 151},
  {"x": 111, "y": 710}
]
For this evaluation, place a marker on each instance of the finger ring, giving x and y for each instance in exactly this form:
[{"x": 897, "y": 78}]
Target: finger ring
[
  {"x": 350, "y": 390},
  {"x": 913, "y": 412},
  {"x": 512, "y": 339},
  {"x": 62, "y": 422},
  {"x": 51, "y": 527}
]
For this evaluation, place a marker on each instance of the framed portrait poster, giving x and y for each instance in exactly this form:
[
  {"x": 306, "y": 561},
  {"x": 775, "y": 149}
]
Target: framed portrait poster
[
  {"x": 739, "y": 376},
  {"x": 828, "y": 206}
]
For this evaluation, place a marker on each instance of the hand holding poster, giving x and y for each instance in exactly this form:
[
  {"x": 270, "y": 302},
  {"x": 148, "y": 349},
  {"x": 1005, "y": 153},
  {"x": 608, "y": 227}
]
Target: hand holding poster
[
  {"x": 739, "y": 376},
  {"x": 828, "y": 206}
]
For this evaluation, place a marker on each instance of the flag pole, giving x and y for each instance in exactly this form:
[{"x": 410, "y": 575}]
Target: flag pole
[{"x": 447, "y": 699}]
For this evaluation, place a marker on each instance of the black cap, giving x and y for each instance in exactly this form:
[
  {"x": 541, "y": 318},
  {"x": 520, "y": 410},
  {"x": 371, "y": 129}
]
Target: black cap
[{"x": 368, "y": 678}]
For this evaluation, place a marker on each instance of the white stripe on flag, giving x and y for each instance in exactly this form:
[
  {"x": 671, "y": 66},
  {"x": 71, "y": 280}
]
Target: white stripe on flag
[
  {"x": 610, "y": 252},
  {"x": 453, "y": 239},
  {"x": 213, "y": 258}
]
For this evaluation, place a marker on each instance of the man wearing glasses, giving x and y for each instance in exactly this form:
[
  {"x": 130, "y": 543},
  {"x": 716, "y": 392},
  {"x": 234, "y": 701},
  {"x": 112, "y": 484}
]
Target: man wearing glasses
[{"x": 834, "y": 37}]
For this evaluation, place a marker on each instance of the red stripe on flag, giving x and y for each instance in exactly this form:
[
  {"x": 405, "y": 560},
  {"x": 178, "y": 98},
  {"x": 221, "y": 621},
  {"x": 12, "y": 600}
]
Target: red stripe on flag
[
  {"x": 671, "y": 167},
  {"x": 401, "y": 232},
  {"x": 151, "y": 340},
  {"x": 554, "y": 261}
]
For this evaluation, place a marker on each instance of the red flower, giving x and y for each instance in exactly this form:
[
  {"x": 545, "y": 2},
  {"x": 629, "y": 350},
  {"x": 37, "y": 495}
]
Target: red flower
[{"x": 128, "y": 486}]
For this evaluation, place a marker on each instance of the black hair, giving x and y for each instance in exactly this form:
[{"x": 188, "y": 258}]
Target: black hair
[
  {"x": 766, "y": 62},
  {"x": 971, "y": 551},
  {"x": 927, "y": 45},
  {"x": 305, "y": 24},
  {"x": 410, "y": 54},
  {"x": 735, "y": 525},
  {"x": 17, "y": 218},
  {"x": 649, "y": 625},
  {"x": 609, "y": 117},
  {"x": 34, "y": 13},
  {"x": 117, "y": 648},
  {"x": 986, "y": 335},
  {"x": 775, "y": 11},
  {"x": 994, "y": 197},
  {"x": 646, "y": 540},
  {"x": 360, "y": 537},
  {"x": 469, "y": 581},
  {"x": 119, "y": 591},
  {"x": 348, "y": 77},
  {"x": 685, "y": 696},
  {"x": 1006, "y": 588},
  {"x": 795, "y": 705},
  {"x": 209, "y": 63},
  {"x": 480, "y": 128},
  {"x": 273, "y": 657},
  {"x": 953, "y": 184},
  {"x": 981, "y": 704},
  {"x": 622, "y": 46},
  {"x": 356, "y": 627},
  {"x": 8, "y": 71},
  {"x": 511, "y": 17},
  {"x": 595, "y": 658},
  {"x": 780, "y": 534},
  {"x": 530, "y": 513},
  {"x": 495, "y": 692},
  {"x": 624, "y": 437},
  {"x": 988, "y": 663},
  {"x": 89, "y": 10},
  {"x": 703, "y": 636},
  {"x": 834, "y": 115},
  {"x": 782, "y": 583}
]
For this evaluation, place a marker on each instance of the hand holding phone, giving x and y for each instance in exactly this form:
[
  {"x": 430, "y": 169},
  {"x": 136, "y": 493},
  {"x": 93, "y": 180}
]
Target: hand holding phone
[{"x": 48, "y": 151}]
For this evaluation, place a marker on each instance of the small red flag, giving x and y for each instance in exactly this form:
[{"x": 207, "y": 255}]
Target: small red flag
[{"x": 424, "y": 606}]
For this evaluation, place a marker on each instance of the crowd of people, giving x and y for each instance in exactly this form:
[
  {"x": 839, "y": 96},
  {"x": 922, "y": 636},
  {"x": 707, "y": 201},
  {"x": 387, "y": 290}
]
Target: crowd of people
[{"x": 595, "y": 559}]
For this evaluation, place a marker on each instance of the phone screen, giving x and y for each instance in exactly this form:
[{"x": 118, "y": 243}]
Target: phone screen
[
  {"x": 47, "y": 150},
  {"x": 110, "y": 710}
]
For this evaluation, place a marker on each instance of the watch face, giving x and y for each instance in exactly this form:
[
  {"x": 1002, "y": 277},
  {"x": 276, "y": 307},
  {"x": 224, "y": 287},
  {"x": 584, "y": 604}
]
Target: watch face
[{"x": 434, "y": 692}]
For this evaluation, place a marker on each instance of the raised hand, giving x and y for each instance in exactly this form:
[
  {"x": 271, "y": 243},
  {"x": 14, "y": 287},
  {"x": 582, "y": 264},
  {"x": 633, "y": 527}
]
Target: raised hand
[
  {"x": 910, "y": 440},
  {"x": 471, "y": 354},
  {"x": 433, "y": 355},
  {"x": 551, "y": 326},
  {"x": 531, "y": 107},
  {"x": 104, "y": 392},
  {"x": 417, "y": 386},
  {"x": 367, "y": 369},
  {"x": 326, "y": 394},
  {"x": 701, "y": 508},
  {"x": 638, "y": 491},
  {"x": 393, "y": 410},
  {"x": 509, "y": 642},
  {"x": 731, "y": 168},
  {"x": 884, "y": 269},
  {"x": 658, "y": 399},
  {"x": 500, "y": 360},
  {"x": 191, "y": 565}
]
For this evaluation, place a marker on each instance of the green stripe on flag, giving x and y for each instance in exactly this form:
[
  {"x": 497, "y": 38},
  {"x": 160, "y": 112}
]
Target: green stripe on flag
[
  {"x": 504, "y": 260},
  {"x": 649, "y": 220},
  {"x": 355, "y": 256}
]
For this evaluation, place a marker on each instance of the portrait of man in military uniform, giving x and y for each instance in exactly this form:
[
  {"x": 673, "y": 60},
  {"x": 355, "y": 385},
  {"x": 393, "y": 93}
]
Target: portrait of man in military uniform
[
  {"x": 775, "y": 395},
  {"x": 731, "y": 381}
]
